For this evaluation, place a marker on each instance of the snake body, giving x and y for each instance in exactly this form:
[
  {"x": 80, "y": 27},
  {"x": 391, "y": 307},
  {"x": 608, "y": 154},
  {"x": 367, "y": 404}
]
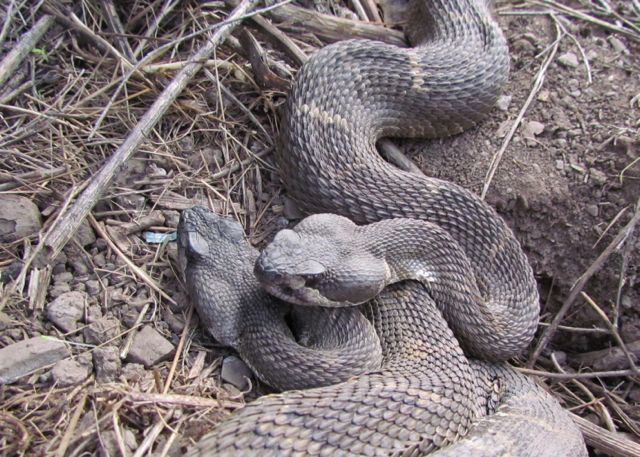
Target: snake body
[{"x": 420, "y": 394}]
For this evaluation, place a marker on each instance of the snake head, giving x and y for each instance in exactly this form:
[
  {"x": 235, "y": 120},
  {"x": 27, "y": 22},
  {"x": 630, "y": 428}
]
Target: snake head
[
  {"x": 321, "y": 262},
  {"x": 216, "y": 260}
]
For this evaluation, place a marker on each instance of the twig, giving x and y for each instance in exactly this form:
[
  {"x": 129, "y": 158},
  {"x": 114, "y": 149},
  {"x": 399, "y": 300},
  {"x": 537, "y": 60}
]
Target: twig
[
  {"x": 183, "y": 400},
  {"x": 537, "y": 85},
  {"x": 22, "y": 49},
  {"x": 607, "y": 359},
  {"x": 570, "y": 376},
  {"x": 579, "y": 285},
  {"x": 281, "y": 40},
  {"x": 176, "y": 357},
  {"x": 394, "y": 155},
  {"x": 115, "y": 26},
  {"x": 603, "y": 440},
  {"x": 63, "y": 230},
  {"x": 331, "y": 28},
  {"x": 585, "y": 17},
  {"x": 613, "y": 331},
  {"x": 134, "y": 268}
]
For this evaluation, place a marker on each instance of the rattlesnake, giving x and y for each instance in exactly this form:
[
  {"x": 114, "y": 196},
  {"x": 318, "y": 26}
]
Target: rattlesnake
[{"x": 425, "y": 396}]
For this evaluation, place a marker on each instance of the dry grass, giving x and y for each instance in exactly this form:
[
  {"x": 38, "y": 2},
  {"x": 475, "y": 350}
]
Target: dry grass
[{"x": 68, "y": 103}]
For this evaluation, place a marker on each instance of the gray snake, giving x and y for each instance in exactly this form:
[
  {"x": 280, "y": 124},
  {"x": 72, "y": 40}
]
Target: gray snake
[{"x": 419, "y": 394}]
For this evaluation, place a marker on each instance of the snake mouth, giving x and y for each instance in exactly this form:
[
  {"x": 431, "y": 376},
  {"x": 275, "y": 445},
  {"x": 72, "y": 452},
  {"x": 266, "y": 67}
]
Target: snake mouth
[{"x": 296, "y": 289}]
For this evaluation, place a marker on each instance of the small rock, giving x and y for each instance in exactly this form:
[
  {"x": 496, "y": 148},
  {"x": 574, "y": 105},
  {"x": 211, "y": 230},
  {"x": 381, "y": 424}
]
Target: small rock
[
  {"x": 93, "y": 287},
  {"x": 70, "y": 372},
  {"x": 63, "y": 277},
  {"x": 543, "y": 96},
  {"x": 79, "y": 267},
  {"x": 22, "y": 358},
  {"x": 11, "y": 272},
  {"x": 560, "y": 165},
  {"x": 235, "y": 372},
  {"x": 133, "y": 372},
  {"x": 102, "y": 330},
  {"x": 597, "y": 176},
  {"x": 19, "y": 218},
  {"x": 592, "y": 210},
  {"x": 618, "y": 45},
  {"x": 569, "y": 60},
  {"x": 149, "y": 347},
  {"x": 84, "y": 235},
  {"x": 106, "y": 362},
  {"x": 503, "y": 102},
  {"x": 66, "y": 310},
  {"x": 530, "y": 130},
  {"x": 94, "y": 313},
  {"x": 59, "y": 289}
]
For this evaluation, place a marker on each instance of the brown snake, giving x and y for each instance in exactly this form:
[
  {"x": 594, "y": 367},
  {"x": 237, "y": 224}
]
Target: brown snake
[{"x": 425, "y": 396}]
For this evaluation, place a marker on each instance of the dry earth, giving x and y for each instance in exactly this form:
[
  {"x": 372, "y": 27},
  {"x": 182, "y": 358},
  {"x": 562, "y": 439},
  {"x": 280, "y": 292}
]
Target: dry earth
[{"x": 137, "y": 374}]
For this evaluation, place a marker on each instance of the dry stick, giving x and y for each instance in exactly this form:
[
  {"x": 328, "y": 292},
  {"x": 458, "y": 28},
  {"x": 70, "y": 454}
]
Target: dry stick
[
  {"x": 603, "y": 440},
  {"x": 148, "y": 280},
  {"x": 69, "y": 432},
  {"x": 613, "y": 330},
  {"x": 66, "y": 226},
  {"x": 174, "y": 363},
  {"x": 183, "y": 400},
  {"x": 333, "y": 28},
  {"x": 20, "y": 50},
  {"x": 113, "y": 20},
  {"x": 579, "y": 285},
  {"x": 372, "y": 10},
  {"x": 585, "y": 17},
  {"x": 571, "y": 376},
  {"x": 607, "y": 359},
  {"x": 281, "y": 40},
  {"x": 537, "y": 85},
  {"x": 68, "y": 18}
]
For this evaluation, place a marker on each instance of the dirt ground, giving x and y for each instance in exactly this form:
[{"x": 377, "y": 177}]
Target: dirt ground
[{"x": 568, "y": 183}]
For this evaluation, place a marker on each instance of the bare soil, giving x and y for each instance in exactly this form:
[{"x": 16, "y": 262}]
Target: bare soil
[{"x": 568, "y": 183}]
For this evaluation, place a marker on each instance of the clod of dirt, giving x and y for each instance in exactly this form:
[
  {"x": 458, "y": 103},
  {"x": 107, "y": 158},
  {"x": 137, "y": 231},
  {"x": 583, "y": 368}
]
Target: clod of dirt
[
  {"x": 149, "y": 347},
  {"x": 19, "y": 218},
  {"x": 235, "y": 372},
  {"x": 568, "y": 59},
  {"x": 106, "y": 362},
  {"x": 102, "y": 330},
  {"x": 503, "y": 102},
  {"x": 70, "y": 372},
  {"x": 24, "y": 357},
  {"x": 66, "y": 310}
]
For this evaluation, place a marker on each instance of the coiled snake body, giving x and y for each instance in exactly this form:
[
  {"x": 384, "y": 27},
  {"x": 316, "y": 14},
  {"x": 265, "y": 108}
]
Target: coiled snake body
[{"x": 419, "y": 394}]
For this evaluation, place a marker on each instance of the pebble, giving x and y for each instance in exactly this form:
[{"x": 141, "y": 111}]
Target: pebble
[
  {"x": 503, "y": 102},
  {"x": 102, "y": 330},
  {"x": 70, "y": 372},
  {"x": 25, "y": 357},
  {"x": 597, "y": 176},
  {"x": 592, "y": 210},
  {"x": 149, "y": 347},
  {"x": 106, "y": 362},
  {"x": 618, "y": 45},
  {"x": 235, "y": 372},
  {"x": 560, "y": 165},
  {"x": 568, "y": 59},
  {"x": 66, "y": 310},
  {"x": 93, "y": 287},
  {"x": 84, "y": 235},
  {"x": 59, "y": 289},
  {"x": 19, "y": 218}
]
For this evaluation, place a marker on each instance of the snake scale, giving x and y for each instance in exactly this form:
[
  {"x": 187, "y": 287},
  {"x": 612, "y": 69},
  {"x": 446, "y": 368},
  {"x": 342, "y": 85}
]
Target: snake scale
[{"x": 435, "y": 265}]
